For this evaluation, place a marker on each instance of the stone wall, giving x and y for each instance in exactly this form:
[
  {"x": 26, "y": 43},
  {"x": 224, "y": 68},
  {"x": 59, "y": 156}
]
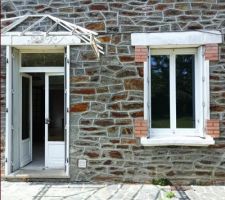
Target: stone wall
[{"x": 107, "y": 95}]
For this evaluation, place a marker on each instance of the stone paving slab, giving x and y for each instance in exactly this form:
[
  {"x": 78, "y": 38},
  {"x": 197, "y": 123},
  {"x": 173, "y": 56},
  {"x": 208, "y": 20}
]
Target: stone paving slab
[{"x": 75, "y": 191}]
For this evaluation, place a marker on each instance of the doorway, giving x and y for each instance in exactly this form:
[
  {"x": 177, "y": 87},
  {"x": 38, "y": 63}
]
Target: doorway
[
  {"x": 42, "y": 143},
  {"x": 39, "y": 112}
]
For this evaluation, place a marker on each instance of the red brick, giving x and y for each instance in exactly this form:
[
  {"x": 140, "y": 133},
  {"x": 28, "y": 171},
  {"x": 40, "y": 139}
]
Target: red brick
[
  {"x": 211, "y": 52},
  {"x": 141, "y": 53},
  {"x": 213, "y": 128}
]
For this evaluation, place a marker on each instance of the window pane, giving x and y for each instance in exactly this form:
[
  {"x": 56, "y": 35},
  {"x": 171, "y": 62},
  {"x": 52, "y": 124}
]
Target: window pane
[
  {"x": 42, "y": 59},
  {"x": 25, "y": 108},
  {"x": 185, "y": 91},
  {"x": 56, "y": 108},
  {"x": 160, "y": 96}
]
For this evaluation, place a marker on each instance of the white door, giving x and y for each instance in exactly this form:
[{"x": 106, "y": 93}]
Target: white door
[
  {"x": 54, "y": 121},
  {"x": 26, "y": 120}
]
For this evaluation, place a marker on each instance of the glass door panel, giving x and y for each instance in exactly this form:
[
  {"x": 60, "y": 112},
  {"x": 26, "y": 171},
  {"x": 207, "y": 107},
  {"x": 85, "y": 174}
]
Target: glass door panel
[
  {"x": 26, "y": 120},
  {"x": 56, "y": 108}
]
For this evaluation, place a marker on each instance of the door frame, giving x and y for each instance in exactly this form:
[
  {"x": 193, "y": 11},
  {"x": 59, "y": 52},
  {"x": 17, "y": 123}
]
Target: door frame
[
  {"x": 21, "y": 118},
  {"x": 9, "y": 90}
]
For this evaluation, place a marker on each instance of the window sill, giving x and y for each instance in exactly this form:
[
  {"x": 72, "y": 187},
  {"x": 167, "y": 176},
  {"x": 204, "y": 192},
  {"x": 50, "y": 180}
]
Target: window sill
[{"x": 177, "y": 141}]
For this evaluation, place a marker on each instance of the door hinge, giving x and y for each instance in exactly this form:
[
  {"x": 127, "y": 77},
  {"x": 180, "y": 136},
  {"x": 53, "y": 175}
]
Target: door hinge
[
  {"x": 7, "y": 60},
  {"x": 6, "y": 110},
  {"x": 203, "y": 104},
  {"x": 67, "y": 160},
  {"x": 67, "y": 60},
  {"x": 6, "y": 160},
  {"x": 203, "y": 79},
  {"x": 67, "y": 110}
]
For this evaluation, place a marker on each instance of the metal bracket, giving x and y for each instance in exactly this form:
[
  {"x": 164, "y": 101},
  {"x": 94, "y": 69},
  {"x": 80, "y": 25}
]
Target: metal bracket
[{"x": 47, "y": 121}]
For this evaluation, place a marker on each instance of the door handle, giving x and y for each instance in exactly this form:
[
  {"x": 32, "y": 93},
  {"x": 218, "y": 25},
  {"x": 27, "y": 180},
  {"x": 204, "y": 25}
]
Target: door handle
[{"x": 47, "y": 121}]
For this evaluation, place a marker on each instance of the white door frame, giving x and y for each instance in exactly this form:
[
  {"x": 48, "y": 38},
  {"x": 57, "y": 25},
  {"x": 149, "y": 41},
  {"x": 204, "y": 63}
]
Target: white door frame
[
  {"x": 21, "y": 118},
  {"x": 8, "y": 122},
  {"x": 67, "y": 107}
]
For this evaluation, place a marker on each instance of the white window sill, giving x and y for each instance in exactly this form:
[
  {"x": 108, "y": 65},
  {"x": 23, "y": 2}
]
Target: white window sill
[{"x": 177, "y": 141}]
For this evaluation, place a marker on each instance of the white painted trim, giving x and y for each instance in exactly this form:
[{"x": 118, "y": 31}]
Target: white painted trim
[
  {"x": 67, "y": 109},
  {"x": 207, "y": 90},
  {"x": 172, "y": 91},
  {"x": 8, "y": 122},
  {"x": 146, "y": 91},
  {"x": 176, "y": 38},
  {"x": 177, "y": 141},
  {"x": 42, "y": 49},
  {"x": 199, "y": 89},
  {"x": 41, "y": 69},
  {"x": 58, "y": 40}
]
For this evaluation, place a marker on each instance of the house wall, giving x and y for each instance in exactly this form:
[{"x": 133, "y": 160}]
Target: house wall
[{"x": 107, "y": 95}]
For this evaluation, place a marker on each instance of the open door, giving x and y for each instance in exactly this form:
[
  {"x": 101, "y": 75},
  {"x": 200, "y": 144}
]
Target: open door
[
  {"x": 54, "y": 121},
  {"x": 26, "y": 120}
]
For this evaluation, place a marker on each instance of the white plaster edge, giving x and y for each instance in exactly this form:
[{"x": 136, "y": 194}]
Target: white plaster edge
[
  {"x": 177, "y": 141},
  {"x": 176, "y": 38}
]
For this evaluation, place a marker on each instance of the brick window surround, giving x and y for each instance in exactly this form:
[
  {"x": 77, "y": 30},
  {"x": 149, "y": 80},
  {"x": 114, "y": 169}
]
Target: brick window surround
[
  {"x": 141, "y": 127},
  {"x": 212, "y": 52},
  {"x": 213, "y": 128}
]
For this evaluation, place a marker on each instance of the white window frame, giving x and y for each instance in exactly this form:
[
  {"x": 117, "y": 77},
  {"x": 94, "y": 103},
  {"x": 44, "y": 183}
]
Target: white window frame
[
  {"x": 182, "y": 137},
  {"x": 173, "y": 131}
]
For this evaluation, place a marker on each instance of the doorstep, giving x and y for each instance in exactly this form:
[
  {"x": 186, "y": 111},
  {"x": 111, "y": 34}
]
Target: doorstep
[{"x": 37, "y": 174}]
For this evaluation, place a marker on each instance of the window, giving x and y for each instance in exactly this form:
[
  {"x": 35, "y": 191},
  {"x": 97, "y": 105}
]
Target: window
[
  {"x": 176, "y": 86},
  {"x": 42, "y": 59},
  {"x": 175, "y": 92}
]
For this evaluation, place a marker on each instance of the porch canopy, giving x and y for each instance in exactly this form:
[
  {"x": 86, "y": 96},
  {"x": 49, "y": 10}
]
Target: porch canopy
[{"x": 46, "y": 30}]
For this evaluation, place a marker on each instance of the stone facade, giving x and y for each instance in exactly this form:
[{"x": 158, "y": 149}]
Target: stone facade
[{"x": 107, "y": 95}]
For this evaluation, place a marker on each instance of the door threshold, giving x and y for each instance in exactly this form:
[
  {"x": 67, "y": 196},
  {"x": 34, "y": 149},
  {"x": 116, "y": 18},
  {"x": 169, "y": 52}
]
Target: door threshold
[{"x": 38, "y": 174}]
